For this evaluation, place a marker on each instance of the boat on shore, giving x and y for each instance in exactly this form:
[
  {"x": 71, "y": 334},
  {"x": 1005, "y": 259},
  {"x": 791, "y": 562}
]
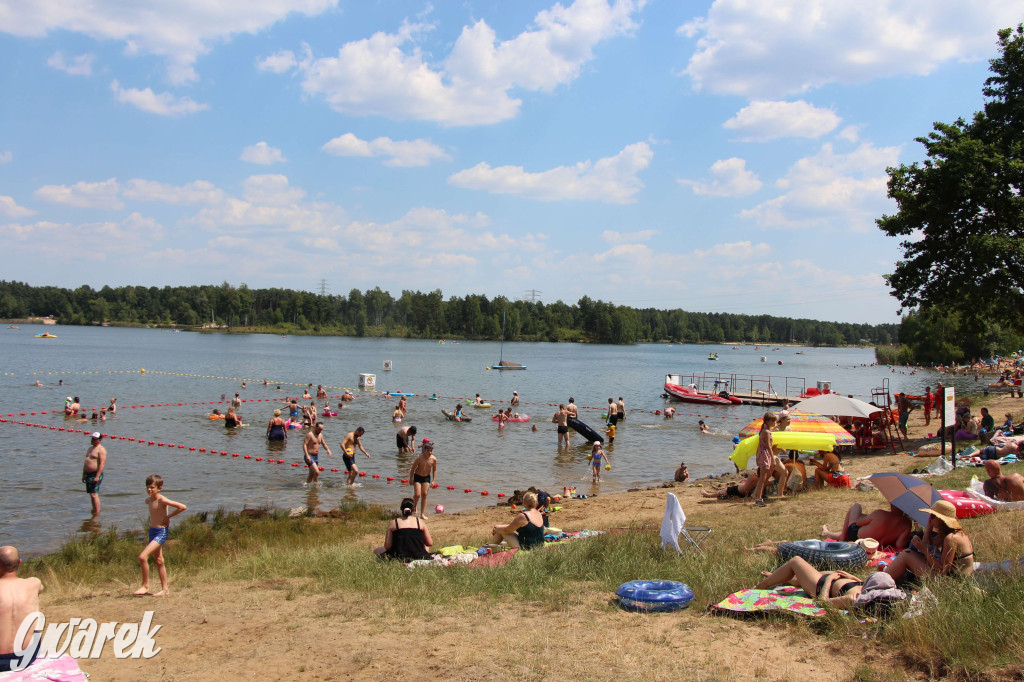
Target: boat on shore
[{"x": 689, "y": 394}]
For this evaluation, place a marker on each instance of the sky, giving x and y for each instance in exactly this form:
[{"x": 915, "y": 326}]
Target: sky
[{"x": 724, "y": 156}]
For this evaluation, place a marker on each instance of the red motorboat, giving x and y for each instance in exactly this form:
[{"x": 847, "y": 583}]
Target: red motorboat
[{"x": 690, "y": 394}]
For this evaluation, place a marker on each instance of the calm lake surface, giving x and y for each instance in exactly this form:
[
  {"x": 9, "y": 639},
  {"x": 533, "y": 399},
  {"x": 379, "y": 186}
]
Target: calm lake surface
[{"x": 44, "y": 501}]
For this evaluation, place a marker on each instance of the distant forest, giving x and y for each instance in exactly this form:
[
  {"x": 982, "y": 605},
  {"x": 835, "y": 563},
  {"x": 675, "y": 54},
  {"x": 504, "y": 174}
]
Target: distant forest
[{"x": 415, "y": 315}]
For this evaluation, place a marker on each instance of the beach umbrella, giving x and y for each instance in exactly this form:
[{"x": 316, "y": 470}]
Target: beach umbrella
[
  {"x": 806, "y": 422},
  {"x": 839, "y": 406},
  {"x": 906, "y": 493}
]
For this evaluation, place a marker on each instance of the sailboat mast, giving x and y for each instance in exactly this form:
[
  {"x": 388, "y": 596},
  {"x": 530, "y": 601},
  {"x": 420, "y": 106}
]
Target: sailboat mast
[{"x": 501, "y": 348}]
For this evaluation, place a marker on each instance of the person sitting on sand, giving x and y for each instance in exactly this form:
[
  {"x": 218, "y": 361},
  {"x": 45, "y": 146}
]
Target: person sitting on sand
[
  {"x": 682, "y": 473},
  {"x": 837, "y": 588},
  {"x": 830, "y": 471},
  {"x": 19, "y": 598},
  {"x": 526, "y": 530},
  {"x": 407, "y": 539},
  {"x": 890, "y": 527},
  {"x": 1003, "y": 487},
  {"x": 944, "y": 548},
  {"x": 741, "y": 489}
]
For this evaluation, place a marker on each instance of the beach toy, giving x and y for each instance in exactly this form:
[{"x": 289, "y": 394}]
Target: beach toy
[
  {"x": 654, "y": 595},
  {"x": 825, "y": 555},
  {"x": 439, "y": 509}
]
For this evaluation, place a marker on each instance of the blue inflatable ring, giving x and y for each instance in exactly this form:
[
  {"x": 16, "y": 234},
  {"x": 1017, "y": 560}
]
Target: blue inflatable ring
[{"x": 654, "y": 595}]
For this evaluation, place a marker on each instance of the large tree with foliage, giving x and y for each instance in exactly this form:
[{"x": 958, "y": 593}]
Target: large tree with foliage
[{"x": 961, "y": 211}]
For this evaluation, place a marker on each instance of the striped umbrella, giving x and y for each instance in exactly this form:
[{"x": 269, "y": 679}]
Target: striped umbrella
[{"x": 806, "y": 422}]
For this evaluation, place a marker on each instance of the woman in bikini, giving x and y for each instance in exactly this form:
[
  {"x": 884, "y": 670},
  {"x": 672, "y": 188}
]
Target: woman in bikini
[
  {"x": 838, "y": 588},
  {"x": 945, "y": 548}
]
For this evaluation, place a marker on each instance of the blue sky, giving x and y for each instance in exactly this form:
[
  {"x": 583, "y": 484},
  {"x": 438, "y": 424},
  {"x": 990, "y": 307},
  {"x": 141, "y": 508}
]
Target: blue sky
[{"x": 724, "y": 156}]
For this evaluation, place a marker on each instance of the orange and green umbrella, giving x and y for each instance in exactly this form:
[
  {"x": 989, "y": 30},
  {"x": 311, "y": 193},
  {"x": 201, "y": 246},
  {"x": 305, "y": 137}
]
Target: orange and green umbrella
[{"x": 806, "y": 422}]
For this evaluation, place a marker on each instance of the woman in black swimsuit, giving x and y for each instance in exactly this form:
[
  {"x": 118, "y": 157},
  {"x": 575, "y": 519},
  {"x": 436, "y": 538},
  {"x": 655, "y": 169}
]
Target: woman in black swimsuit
[
  {"x": 407, "y": 539},
  {"x": 945, "y": 548},
  {"x": 838, "y": 588},
  {"x": 526, "y": 530}
]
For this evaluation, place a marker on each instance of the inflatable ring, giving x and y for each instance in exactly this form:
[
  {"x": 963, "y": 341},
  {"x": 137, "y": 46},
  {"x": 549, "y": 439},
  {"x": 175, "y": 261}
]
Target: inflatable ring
[
  {"x": 825, "y": 555},
  {"x": 654, "y": 595}
]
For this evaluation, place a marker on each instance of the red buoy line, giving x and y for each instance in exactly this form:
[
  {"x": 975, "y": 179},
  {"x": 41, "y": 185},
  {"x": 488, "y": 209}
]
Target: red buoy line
[
  {"x": 222, "y": 453},
  {"x": 82, "y": 410}
]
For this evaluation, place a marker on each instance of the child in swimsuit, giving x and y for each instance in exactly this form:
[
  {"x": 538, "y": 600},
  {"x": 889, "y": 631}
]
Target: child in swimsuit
[
  {"x": 423, "y": 473},
  {"x": 598, "y": 458},
  {"x": 159, "y": 524}
]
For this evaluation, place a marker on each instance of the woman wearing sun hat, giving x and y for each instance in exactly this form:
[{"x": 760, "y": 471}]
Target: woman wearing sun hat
[{"x": 944, "y": 550}]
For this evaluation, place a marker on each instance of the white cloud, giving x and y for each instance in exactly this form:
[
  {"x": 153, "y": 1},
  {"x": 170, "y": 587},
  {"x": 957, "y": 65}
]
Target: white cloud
[
  {"x": 6, "y": 157},
  {"x": 263, "y": 154},
  {"x": 180, "y": 31},
  {"x": 388, "y": 75},
  {"x": 84, "y": 194},
  {"x": 612, "y": 179},
  {"x": 831, "y": 190},
  {"x": 278, "y": 62},
  {"x": 164, "y": 104},
  {"x": 9, "y": 208},
  {"x": 735, "y": 251},
  {"x": 79, "y": 65},
  {"x": 849, "y": 134},
  {"x": 271, "y": 190},
  {"x": 196, "y": 192},
  {"x": 615, "y": 237},
  {"x": 773, "y": 49},
  {"x": 729, "y": 178},
  {"x": 765, "y": 120},
  {"x": 32, "y": 230},
  {"x": 405, "y": 153}
]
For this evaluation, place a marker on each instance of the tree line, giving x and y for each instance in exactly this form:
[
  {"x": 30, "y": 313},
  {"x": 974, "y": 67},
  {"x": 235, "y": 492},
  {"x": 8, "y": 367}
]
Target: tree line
[{"x": 414, "y": 314}]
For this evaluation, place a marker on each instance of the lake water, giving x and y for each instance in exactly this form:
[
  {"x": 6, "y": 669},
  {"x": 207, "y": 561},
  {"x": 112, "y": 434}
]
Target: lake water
[{"x": 44, "y": 501}]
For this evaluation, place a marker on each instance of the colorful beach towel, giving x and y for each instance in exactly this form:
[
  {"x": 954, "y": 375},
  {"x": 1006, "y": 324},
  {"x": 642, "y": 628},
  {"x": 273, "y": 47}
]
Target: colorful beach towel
[
  {"x": 789, "y": 599},
  {"x": 64, "y": 669}
]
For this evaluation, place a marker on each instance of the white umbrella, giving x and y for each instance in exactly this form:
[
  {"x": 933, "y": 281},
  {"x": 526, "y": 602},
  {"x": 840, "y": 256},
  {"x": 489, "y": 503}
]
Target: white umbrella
[{"x": 838, "y": 405}]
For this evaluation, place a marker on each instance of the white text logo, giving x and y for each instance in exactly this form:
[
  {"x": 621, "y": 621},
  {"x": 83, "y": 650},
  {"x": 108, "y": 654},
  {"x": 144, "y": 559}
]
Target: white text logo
[{"x": 84, "y": 638}]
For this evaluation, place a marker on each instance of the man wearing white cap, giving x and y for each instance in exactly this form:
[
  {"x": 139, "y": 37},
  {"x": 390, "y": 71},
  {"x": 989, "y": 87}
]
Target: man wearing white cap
[
  {"x": 92, "y": 470},
  {"x": 515, "y": 398}
]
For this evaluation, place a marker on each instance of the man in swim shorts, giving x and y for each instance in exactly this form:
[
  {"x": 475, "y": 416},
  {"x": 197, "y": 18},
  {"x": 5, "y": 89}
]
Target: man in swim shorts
[
  {"x": 991, "y": 452},
  {"x": 423, "y": 473},
  {"x": 890, "y": 527},
  {"x": 405, "y": 439},
  {"x": 311, "y": 453},
  {"x": 92, "y": 470},
  {"x": 562, "y": 419},
  {"x": 19, "y": 597},
  {"x": 351, "y": 441},
  {"x": 1000, "y": 486}
]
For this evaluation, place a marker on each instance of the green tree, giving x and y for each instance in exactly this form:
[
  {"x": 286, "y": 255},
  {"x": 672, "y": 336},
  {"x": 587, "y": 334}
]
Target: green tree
[{"x": 961, "y": 211}]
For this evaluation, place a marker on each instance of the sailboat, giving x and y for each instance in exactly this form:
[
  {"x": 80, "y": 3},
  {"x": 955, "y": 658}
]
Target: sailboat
[{"x": 502, "y": 364}]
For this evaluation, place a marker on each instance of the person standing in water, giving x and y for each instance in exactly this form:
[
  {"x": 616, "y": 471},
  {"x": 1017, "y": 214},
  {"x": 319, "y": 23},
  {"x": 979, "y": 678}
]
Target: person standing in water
[
  {"x": 562, "y": 419},
  {"x": 311, "y": 453},
  {"x": 351, "y": 441},
  {"x": 92, "y": 470}
]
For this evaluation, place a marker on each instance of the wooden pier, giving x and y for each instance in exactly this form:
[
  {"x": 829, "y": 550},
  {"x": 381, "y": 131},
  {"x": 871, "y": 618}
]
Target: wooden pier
[{"x": 751, "y": 389}]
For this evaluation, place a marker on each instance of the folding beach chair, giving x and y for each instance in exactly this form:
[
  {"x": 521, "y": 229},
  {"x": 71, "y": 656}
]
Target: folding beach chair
[{"x": 673, "y": 526}]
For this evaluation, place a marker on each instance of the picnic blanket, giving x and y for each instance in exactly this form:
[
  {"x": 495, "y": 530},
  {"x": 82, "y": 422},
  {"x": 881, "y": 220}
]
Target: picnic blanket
[
  {"x": 784, "y": 598},
  {"x": 63, "y": 669}
]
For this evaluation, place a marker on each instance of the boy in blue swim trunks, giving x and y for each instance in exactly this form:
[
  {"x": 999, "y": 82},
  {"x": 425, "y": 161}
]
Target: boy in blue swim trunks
[{"x": 159, "y": 523}]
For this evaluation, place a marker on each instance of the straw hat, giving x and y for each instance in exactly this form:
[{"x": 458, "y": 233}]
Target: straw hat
[{"x": 945, "y": 512}]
